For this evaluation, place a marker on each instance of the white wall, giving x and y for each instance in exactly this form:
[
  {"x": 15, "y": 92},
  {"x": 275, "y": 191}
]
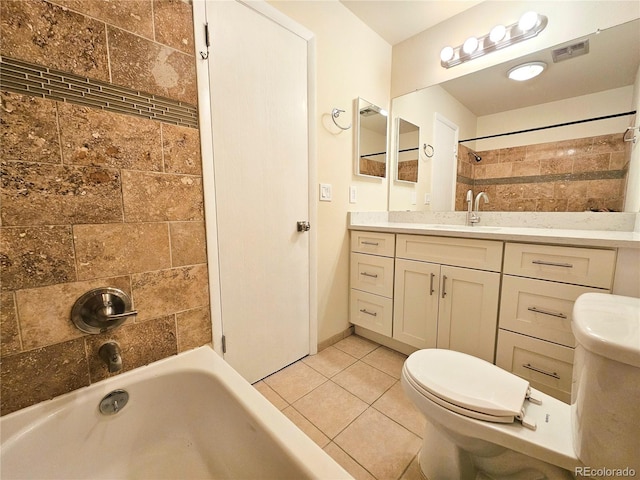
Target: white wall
[
  {"x": 594, "y": 105},
  {"x": 352, "y": 61},
  {"x": 416, "y": 61},
  {"x": 632, "y": 198}
]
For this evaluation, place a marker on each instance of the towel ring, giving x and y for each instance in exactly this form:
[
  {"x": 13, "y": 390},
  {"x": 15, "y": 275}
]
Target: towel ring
[
  {"x": 335, "y": 113},
  {"x": 426, "y": 149}
]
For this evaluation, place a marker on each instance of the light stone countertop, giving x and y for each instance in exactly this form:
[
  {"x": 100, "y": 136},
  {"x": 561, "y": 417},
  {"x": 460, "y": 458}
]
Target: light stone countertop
[{"x": 616, "y": 231}]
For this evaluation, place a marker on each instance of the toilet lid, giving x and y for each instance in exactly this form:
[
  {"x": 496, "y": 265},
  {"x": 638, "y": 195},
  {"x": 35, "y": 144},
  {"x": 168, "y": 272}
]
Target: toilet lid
[{"x": 468, "y": 382}]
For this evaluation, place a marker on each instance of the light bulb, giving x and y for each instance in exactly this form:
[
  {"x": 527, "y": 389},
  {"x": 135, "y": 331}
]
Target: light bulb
[
  {"x": 446, "y": 54},
  {"x": 528, "y": 21},
  {"x": 497, "y": 33},
  {"x": 526, "y": 71},
  {"x": 470, "y": 45}
]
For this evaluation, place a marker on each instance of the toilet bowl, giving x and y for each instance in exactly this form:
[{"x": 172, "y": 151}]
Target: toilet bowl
[{"x": 483, "y": 422}]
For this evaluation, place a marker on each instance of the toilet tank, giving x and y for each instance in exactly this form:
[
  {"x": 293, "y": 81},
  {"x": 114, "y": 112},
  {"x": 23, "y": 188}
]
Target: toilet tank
[{"x": 605, "y": 395}]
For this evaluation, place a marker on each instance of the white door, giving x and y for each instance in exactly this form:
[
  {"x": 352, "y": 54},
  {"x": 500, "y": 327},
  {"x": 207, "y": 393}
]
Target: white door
[
  {"x": 259, "y": 106},
  {"x": 444, "y": 164}
]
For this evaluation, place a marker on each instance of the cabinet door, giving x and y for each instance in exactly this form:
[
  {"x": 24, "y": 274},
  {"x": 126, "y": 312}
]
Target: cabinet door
[
  {"x": 468, "y": 311},
  {"x": 415, "y": 308}
]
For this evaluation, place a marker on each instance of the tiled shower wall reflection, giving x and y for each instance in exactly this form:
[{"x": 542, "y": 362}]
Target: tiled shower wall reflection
[
  {"x": 94, "y": 198},
  {"x": 569, "y": 176}
]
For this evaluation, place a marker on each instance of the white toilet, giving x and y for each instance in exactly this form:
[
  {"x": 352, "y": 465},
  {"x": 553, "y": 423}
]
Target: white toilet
[{"x": 486, "y": 423}]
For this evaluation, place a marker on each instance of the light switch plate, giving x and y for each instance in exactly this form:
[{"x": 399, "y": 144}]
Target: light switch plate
[
  {"x": 353, "y": 194},
  {"x": 414, "y": 198},
  {"x": 325, "y": 192}
]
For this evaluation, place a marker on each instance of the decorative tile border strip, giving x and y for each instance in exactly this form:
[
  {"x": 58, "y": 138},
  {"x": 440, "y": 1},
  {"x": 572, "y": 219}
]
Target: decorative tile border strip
[
  {"x": 558, "y": 177},
  {"x": 38, "y": 81}
]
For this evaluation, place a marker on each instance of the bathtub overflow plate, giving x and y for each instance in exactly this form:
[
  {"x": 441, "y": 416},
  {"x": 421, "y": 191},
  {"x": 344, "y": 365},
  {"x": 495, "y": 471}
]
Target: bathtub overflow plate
[{"x": 113, "y": 402}]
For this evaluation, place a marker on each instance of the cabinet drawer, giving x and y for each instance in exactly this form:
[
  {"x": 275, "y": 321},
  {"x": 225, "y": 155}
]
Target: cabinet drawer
[
  {"x": 547, "y": 366},
  {"x": 459, "y": 252},
  {"x": 372, "y": 312},
  {"x": 540, "y": 308},
  {"x": 372, "y": 274},
  {"x": 373, "y": 243},
  {"x": 582, "y": 266}
]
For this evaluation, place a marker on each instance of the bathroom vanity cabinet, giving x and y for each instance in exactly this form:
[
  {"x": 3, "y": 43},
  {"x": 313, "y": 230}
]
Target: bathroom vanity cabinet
[
  {"x": 371, "y": 278},
  {"x": 539, "y": 287},
  {"x": 446, "y": 293},
  {"x": 436, "y": 292},
  {"x": 503, "y": 301}
]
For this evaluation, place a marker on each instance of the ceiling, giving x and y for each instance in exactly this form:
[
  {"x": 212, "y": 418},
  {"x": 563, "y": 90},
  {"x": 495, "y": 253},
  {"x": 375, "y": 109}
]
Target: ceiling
[
  {"x": 612, "y": 61},
  {"x": 397, "y": 20}
]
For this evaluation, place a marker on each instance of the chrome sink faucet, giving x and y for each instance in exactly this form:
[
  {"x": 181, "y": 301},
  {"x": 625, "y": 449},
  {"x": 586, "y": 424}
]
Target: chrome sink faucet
[{"x": 473, "y": 208}]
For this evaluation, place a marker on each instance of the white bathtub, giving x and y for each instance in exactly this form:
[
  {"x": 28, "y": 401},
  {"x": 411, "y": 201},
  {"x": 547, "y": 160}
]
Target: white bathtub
[{"x": 190, "y": 416}]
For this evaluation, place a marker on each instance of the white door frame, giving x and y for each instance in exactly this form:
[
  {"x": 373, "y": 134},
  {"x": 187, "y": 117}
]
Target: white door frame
[{"x": 208, "y": 177}]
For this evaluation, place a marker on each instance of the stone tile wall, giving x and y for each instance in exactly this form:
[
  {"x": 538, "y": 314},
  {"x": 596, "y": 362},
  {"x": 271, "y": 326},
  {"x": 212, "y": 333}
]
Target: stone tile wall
[
  {"x": 569, "y": 176},
  {"x": 93, "y": 198}
]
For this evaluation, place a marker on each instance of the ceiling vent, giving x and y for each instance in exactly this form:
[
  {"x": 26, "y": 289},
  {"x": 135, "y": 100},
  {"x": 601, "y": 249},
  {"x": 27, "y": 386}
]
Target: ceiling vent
[{"x": 570, "y": 51}]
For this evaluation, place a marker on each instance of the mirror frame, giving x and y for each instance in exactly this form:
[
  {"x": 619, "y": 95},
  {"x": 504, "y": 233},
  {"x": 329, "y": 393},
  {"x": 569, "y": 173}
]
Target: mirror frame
[{"x": 360, "y": 104}]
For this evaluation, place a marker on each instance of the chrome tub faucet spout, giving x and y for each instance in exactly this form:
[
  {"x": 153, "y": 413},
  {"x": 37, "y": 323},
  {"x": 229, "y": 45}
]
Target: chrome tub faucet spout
[{"x": 111, "y": 355}]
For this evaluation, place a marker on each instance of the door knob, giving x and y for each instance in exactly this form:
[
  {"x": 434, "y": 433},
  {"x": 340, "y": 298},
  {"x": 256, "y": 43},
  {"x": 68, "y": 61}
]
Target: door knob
[{"x": 304, "y": 226}]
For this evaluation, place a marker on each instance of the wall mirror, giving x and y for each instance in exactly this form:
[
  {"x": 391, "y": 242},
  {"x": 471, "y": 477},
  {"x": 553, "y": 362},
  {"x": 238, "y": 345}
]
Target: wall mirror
[
  {"x": 370, "y": 140},
  {"x": 506, "y": 148},
  {"x": 407, "y": 151}
]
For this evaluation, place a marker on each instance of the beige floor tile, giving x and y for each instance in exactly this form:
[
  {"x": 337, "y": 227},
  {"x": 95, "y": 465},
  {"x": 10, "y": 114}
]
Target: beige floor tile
[
  {"x": 413, "y": 472},
  {"x": 329, "y": 361},
  {"x": 387, "y": 360},
  {"x": 396, "y": 405},
  {"x": 295, "y": 381},
  {"x": 270, "y": 394},
  {"x": 364, "y": 381},
  {"x": 356, "y": 346},
  {"x": 348, "y": 463},
  {"x": 379, "y": 444},
  {"x": 330, "y": 408},
  {"x": 306, "y": 426}
]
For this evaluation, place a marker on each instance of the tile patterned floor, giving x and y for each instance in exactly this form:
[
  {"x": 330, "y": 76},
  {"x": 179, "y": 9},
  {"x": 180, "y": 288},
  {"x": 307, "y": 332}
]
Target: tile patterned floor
[{"x": 348, "y": 399}]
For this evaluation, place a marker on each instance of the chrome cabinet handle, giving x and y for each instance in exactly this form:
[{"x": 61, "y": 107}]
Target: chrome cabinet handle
[
  {"x": 375, "y": 244},
  {"x": 552, "y": 264},
  {"x": 546, "y": 312},
  {"x": 539, "y": 370},
  {"x": 431, "y": 290},
  {"x": 372, "y": 275},
  {"x": 444, "y": 286},
  {"x": 373, "y": 314}
]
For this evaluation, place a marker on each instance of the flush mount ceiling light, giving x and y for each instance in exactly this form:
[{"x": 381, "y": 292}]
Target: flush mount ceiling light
[
  {"x": 528, "y": 26},
  {"x": 526, "y": 71}
]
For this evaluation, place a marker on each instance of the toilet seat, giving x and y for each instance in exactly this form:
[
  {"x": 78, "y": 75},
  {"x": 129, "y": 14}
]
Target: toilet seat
[{"x": 468, "y": 385}]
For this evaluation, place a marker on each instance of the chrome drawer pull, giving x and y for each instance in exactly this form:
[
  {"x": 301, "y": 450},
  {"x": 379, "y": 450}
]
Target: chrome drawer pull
[
  {"x": 552, "y": 264},
  {"x": 372, "y": 275},
  {"x": 546, "y": 312},
  {"x": 375, "y": 244},
  {"x": 444, "y": 286},
  {"x": 373, "y": 314},
  {"x": 431, "y": 290},
  {"x": 544, "y": 372}
]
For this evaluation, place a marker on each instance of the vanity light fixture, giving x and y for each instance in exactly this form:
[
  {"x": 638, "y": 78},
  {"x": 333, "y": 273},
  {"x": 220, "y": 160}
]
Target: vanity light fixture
[
  {"x": 529, "y": 25},
  {"x": 526, "y": 71}
]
